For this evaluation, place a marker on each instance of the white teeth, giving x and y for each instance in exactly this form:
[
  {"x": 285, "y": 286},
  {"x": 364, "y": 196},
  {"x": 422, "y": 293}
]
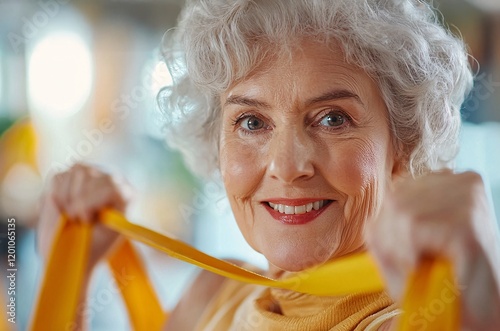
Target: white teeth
[
  {"x": 300, "y": 209},
  {"x": 290, "y": 210}
]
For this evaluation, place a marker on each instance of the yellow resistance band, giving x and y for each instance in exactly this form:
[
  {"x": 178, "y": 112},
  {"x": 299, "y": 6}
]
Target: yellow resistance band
[{"x": 58, "y": 299}]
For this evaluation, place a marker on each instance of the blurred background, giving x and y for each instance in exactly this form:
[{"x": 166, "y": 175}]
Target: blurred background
[{"x": 80, "y": 77}]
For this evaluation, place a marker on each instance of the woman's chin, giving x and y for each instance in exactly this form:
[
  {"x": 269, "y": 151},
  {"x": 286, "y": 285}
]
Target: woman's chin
[
  {"x": 293, "y": 261},
  {"x": 296, "y": 260}
]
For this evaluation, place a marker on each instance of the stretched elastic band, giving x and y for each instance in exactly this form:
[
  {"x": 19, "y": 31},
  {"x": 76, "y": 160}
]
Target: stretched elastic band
[{"x": 353, "y": 274}]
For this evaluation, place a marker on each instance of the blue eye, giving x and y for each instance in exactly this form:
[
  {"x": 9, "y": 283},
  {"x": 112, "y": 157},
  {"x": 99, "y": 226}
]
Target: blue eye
[
  {"x": 333, "y": 119},
  {"x": 252, "y": 123}
]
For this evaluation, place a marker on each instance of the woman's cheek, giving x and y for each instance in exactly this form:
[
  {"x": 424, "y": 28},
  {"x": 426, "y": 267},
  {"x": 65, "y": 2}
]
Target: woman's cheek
[
  {"x": 240, "y": 166},
  {"x": 363, "y": 169}
]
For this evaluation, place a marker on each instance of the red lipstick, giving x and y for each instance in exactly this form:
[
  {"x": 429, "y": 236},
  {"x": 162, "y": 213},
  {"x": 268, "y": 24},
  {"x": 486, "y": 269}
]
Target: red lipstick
[{"x": 295, "y": 219}]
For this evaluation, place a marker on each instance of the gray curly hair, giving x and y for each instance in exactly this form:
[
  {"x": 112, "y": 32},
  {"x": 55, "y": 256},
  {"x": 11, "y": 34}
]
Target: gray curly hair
[{"x": 421, "y": 68}]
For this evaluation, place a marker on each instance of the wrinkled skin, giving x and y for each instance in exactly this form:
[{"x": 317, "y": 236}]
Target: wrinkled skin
[{"x": 298, "y": 154}]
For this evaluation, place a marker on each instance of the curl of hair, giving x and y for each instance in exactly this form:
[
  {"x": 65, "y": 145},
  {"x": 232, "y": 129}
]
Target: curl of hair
[{"x": 421, "y": 68}]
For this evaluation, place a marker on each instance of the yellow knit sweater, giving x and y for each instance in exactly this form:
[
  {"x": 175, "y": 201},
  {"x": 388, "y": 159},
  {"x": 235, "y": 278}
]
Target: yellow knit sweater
[{"x": 242, "y": 307}]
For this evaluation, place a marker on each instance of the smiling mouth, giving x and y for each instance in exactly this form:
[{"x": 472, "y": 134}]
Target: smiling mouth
[
  {"x": 299, "y": 210},
  {"x": 295, "y": 214}
]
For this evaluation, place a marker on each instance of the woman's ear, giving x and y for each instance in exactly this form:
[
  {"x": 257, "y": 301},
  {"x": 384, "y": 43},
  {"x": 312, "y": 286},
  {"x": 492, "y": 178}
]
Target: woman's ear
[
  {"x": 400, "y": 167},
  {"x": 399, "y": 173}
]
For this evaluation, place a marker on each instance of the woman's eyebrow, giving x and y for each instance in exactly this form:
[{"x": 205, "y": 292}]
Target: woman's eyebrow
[
  {"x": 335, "y": 95},
  {"x": 328, "y": 96},
  {"x": 245, "y": 101}
]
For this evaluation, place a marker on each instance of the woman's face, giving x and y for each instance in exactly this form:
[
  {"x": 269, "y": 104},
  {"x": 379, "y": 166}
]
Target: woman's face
[{"x": 305, "y": 155}]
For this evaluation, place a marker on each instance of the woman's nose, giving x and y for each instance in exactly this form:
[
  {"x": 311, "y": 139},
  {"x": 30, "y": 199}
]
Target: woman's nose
[{"x": 291, "y": 157}]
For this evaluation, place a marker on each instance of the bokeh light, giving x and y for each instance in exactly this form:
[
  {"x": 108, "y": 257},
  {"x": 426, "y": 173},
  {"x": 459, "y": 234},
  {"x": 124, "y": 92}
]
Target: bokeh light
[{"x": 59, "y": 75}]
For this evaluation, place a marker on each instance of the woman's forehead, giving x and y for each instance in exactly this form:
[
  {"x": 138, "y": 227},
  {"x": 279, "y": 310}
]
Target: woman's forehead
[{"x": 310, "y": 69}]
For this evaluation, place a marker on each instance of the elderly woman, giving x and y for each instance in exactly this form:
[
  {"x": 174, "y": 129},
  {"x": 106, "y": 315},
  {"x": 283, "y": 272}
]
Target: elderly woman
[{"x": 332, "y": 125}]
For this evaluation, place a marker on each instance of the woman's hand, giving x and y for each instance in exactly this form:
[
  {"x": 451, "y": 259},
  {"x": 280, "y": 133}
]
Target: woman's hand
[
  {"x": 80, "y": 193},
  {"x": 448, "y": 215}
]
